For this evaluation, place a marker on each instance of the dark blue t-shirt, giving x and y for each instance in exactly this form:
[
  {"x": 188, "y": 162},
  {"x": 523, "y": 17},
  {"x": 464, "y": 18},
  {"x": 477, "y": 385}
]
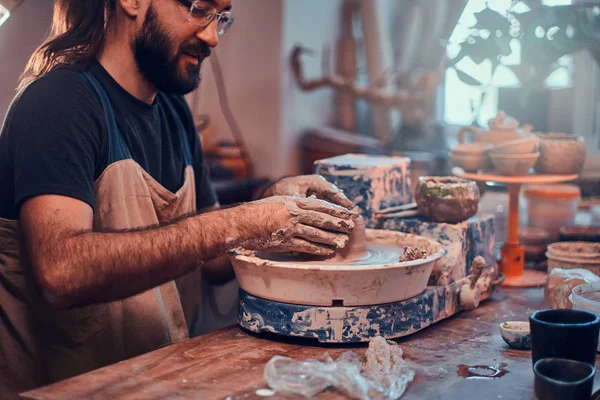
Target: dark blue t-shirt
[{"x": 55, "y": 140}]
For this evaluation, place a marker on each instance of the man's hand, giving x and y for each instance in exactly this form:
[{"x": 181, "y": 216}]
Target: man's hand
[
  {"x": 308, "y": 185},
  {"x": 305, "y": 225}
]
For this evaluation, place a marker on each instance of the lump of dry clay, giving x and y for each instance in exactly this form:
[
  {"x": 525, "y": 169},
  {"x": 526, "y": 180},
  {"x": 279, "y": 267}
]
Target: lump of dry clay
[
  {"x": 413, "y": 253},
  {"x": 381, "y": 355}
]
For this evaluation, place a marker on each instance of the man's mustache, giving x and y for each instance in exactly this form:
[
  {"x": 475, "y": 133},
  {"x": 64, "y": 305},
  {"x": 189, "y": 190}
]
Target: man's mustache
[{"x": 197, "y": 48}]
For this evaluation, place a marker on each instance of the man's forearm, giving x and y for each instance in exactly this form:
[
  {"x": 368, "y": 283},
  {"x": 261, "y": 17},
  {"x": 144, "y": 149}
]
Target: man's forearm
[{"x": 93, "y": 267}]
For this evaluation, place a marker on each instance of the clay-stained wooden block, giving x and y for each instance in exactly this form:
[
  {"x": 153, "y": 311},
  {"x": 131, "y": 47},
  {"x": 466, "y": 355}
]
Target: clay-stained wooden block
[
  {"x": 373, "y": 183},
  {"x": 463, "y": 242}
]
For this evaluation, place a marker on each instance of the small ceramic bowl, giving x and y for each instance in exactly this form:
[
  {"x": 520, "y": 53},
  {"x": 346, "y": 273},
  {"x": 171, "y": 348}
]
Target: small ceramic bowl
[
  {"x": 514, "y": 164},
  {"x": 516, "y": 334},
  {"x": 534, "y": 252},
  {"x": 530, "y": 235},
  {"x": 447, "y": 199},
  {"x": 469, "y": 163},
  {"x": 560, "y": 153},
  {"x": 521, "y": 146},
  {"x": 471, "y": 149},
  {"x": 580, "y": 234}
]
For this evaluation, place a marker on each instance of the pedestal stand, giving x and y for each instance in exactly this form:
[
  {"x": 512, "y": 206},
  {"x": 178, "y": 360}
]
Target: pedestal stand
[{"x": 512, "y": 260}]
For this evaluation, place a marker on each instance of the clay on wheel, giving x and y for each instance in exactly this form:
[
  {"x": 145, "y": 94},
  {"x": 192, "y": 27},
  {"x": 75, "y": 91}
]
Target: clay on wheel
[
  {"x": 356, "y": 248},
  {"x": 358, "y": 252}
]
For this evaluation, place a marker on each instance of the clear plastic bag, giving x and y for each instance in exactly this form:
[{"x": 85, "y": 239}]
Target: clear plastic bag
[{"x": 381, "y": 374}]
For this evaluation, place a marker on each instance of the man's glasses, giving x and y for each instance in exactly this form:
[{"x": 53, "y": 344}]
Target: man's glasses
[{"x": 202, "y": 14}]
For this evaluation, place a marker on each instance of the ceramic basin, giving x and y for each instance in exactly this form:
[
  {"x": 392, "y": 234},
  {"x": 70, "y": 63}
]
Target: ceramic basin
[
  {"x": 469, "y": 162},
  {"x": 471, "y": 149},
  {"x": 514, "y": 164},
  {"x": 521, "y": 146},
  {"x": 337, "y": 284}
]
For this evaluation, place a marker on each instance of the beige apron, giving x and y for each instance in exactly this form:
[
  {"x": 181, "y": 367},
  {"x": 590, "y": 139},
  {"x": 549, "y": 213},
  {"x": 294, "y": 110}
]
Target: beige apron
[{"x": 40, "y": 344}]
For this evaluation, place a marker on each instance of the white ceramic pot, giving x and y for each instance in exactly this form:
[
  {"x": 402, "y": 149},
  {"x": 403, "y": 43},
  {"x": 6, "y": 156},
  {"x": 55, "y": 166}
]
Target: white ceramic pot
[{"x": 343, "y": 285}]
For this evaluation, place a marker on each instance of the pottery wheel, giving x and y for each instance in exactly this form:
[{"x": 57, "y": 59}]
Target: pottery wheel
[{"x": 369, "y": 272}]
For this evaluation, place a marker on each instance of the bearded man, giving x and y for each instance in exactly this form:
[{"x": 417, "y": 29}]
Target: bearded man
[{"x": 107, "y": 214}]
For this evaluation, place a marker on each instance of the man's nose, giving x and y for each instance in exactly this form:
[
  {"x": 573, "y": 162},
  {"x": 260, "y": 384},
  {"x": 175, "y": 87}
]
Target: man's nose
[{"x": 208, "y": 34}]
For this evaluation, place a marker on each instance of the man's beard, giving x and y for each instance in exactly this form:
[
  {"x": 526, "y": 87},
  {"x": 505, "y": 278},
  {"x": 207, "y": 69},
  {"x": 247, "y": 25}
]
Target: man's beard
[{"x": 152, "y": 50}]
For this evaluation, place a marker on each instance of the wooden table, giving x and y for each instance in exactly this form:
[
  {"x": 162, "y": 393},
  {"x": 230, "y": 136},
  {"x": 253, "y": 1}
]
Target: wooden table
[{"x": 230, "y": 363}]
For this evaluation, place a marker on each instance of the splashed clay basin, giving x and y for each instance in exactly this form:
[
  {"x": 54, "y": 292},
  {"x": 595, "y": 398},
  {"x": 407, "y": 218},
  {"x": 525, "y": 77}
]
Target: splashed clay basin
[{"x": 375, "y": 278}]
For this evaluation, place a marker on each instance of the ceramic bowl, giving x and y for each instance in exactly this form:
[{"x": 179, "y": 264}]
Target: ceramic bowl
[
  {"x": 533, "y": 236},
  {"x": 560, "y": 153},
  {"x": 514, "y": 164},
  {"x": 534, "y": 252},
  {"x": 447, "y": 199},
  {"x": 281, "y": 278},
  {"x": 516, "y": 334},
  {"x": 471, "y": 149},
  {"x": 470, "y": 163},
  {"x": 580, "y": 234},
  {"x": 521, "y": 146}
]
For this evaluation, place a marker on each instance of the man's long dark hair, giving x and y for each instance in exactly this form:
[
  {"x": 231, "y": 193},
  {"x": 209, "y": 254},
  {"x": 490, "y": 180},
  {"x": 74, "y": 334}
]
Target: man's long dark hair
[{"x": 76, "y": 34}]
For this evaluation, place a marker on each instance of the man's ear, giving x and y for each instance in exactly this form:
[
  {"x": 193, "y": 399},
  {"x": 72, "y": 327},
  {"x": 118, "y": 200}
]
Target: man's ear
[{"x": 133, "y": 8}]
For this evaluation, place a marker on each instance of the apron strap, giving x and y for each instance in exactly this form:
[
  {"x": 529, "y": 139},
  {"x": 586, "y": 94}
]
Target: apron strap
[
  {"x": 183, "y": 136},
  {"x": 117, "y": 148}
]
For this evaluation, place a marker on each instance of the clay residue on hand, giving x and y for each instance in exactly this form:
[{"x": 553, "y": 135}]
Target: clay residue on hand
[{"x": 413, "y": 253}]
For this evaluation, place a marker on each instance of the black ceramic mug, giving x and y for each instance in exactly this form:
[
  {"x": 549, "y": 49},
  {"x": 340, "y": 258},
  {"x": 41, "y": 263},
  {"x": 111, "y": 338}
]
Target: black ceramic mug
[
  {"x": 560, "y": 379},
  {"x": 563, "y": 333}
]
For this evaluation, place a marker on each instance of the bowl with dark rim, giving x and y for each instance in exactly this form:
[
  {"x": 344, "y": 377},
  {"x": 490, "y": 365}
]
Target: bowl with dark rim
[
  {"x": 580, "y": 234},
  {"x": 516, "y": 334}
]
